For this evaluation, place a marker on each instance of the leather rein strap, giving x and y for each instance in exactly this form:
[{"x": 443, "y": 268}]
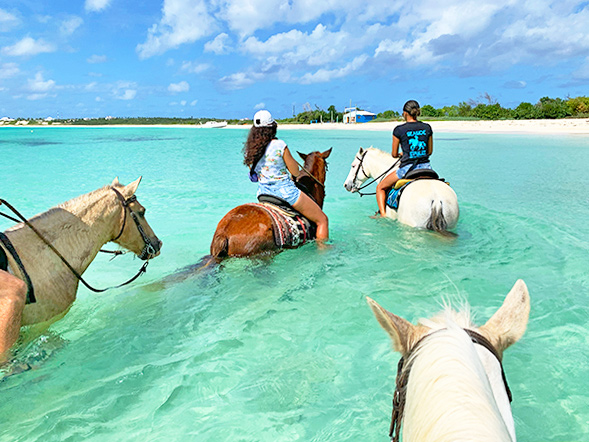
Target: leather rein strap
[
  {"x": 400, "y": 394},
  {"x": 125, "y": 203},
  {"x": 374, "y": 180}
]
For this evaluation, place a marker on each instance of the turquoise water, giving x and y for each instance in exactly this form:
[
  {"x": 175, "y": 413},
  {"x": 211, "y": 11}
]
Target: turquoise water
[{"x": 287, "y": 349}]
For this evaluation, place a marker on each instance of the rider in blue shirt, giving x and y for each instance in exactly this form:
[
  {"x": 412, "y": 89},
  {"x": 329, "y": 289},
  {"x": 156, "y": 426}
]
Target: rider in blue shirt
[{"x": 416, "y": 141}]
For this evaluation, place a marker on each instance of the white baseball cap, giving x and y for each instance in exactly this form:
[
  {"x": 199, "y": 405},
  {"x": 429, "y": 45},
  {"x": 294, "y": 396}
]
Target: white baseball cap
[{"x": 263, "y": 118}]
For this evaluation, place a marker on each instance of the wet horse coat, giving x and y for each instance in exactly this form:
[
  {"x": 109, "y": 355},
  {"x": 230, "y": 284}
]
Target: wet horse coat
[{"x": 247, "y": 230}]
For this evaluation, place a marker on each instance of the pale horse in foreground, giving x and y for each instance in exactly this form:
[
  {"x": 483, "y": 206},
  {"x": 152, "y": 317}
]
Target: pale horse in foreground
[
  {"x": 425, "y": 203},
  {"x": 450, "y": 381},
  {"x": 76, "y": 229}
]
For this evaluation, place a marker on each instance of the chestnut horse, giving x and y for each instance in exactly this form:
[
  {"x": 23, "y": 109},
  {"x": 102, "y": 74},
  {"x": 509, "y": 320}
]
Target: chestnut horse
[{"x": 247, "y": 229}]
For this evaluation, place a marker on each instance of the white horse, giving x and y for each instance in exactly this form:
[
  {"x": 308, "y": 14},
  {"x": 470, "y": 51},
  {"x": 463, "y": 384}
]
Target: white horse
[
  {"x": 451, "y": 384},
  {"x": 426, "y": 204},
  {"x": 77, "y": 229}
]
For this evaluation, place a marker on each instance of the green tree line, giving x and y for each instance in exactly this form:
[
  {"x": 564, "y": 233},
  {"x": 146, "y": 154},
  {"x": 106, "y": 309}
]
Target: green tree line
[{"x": 545, "y": 108}]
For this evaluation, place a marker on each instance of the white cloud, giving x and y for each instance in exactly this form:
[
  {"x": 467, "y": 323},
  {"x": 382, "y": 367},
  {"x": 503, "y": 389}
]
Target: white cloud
[
  {"x": 183, "y": 103},
  {"x": 94, "y": 59},
  {"x": 128, "y": 94},
  {"x": 247, "y": 16},
  {"x": 239, "y": 80},
  {"x": 193, "y": 102},
  {"x": 219, "y": 45},
  {"x": 183, "y": 21},
  {"x": 183, "y": 86},
  {"x": 8, "y": 70},
  {"x": 39, "y": 84},
  {"x": 69, "y": 26},
  {"x": 194, "y": 68},
  {"x": 325, "y": 75},
  {"x": 260, "y": 106},
  {"x": 96, "y": 5},
  {"x": 28, "y": 46},
  {"x": 34, "y": 97},
  {"x": 124, "y": 90},
  {"x": 7, "y": 21}
]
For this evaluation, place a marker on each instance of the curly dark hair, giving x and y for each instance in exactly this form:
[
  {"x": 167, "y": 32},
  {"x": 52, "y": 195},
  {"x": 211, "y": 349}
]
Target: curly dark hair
[{"x": 257, "y": 141}]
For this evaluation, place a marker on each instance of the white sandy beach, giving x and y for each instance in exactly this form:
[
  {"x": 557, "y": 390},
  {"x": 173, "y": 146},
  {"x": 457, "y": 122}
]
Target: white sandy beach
[
  {"x": 562, "y": 126},
  {"x": 571, "y": 126}
]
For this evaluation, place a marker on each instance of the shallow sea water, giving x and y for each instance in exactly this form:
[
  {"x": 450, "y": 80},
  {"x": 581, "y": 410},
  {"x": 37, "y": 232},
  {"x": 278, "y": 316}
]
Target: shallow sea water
[{"x": 286, "y": 349}]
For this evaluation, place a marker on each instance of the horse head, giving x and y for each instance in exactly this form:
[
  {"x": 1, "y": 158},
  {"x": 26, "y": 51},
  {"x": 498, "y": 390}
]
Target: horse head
[
  {"x": 134, "y": 233},
  {"x": 358, "y": 173},
  {"x": 313, "y": 174},
  {"x": 450, "y": 371}
]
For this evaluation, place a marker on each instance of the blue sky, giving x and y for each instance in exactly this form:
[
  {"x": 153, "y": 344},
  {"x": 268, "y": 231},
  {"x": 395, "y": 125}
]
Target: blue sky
[{"x": 228, "y": 58}]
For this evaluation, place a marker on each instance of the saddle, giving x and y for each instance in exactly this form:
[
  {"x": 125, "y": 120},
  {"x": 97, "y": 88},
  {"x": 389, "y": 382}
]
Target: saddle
[
  {"x": 291, "y": 229},
  {"x": 413, "y": 175}
]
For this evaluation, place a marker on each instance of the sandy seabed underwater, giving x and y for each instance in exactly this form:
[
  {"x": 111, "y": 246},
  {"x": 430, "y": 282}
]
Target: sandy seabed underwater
[{"x": 286, "y": 349}]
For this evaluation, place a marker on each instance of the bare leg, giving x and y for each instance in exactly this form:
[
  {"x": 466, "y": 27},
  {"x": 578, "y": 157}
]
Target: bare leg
[
  {"x": 13, "y": 294},
  {"x": 381, "y": 191},
  {"x": 311, "y": 210}
]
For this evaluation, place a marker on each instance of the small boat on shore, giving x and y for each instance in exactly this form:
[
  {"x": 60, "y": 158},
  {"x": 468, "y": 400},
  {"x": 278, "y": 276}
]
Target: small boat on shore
[{"x": 214, "y": 124}]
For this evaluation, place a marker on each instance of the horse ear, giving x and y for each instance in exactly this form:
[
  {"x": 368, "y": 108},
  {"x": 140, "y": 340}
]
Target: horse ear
[
  {"x": 509, "y": 322},
  {"x": 326, "y": 153},
  {"x": 302, "y": 155},
  {"x": 115, "y": 182},
  {"x": 401, "y": 331},
  {"x": 361, "y": 151},
  {"x": 130, "y": 189}
]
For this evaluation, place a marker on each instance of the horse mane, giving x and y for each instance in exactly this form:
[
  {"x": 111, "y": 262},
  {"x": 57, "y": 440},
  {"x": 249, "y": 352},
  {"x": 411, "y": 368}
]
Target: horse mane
[
  {"x": 81, "y": 206},
  {"x": 318, "y": 172},
  {"x": 449, "y": 396}
]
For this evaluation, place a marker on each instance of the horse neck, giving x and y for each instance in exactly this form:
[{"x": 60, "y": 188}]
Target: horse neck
[
  {"x": 377, "y": 162},
  {"x": 77, "y": 228},
  {"x": 449, "y": 397},
  {"x": 316, "y": 190}
]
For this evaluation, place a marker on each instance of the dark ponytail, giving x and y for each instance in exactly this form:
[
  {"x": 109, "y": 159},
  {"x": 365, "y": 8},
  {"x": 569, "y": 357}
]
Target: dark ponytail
[{"x": 412, "y": 108}]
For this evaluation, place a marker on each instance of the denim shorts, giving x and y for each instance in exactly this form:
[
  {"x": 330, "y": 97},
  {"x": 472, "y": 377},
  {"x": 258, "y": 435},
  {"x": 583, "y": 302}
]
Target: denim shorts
[
  {"x": 402, "y": 171},
  {"x": 284, "y": 189}
]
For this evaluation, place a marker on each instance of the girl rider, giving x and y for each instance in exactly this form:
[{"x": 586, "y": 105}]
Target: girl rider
[
  {"x": 415, "y": 138},
  {"x": 270, "y": 162}
]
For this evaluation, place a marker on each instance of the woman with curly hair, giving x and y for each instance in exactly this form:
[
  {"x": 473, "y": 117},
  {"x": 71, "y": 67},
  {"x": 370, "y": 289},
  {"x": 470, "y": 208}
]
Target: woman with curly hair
[{"x": 271, "y": 166}]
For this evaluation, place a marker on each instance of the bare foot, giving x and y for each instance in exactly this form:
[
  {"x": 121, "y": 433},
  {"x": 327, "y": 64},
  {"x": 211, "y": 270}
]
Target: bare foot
[{"x": 377, "y": 215}]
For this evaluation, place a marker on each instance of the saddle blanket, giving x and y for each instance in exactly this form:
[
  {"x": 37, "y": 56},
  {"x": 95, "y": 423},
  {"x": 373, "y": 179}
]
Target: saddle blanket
[
  {"x": 291, "y": 229},
  {"x": 395, "y": 194}
]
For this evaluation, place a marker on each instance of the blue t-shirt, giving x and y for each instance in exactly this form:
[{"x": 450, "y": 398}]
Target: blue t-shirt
[{"x": 413, "y": 139}]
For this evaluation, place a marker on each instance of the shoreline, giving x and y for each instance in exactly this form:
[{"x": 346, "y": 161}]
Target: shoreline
[{"x": 569, "y": 126}]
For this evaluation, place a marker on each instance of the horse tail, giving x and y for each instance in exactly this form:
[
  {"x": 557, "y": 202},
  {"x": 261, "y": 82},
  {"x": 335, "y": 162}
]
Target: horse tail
[
  {"x": 220, "y": 247},
  {"x": 437, "y": 221}
]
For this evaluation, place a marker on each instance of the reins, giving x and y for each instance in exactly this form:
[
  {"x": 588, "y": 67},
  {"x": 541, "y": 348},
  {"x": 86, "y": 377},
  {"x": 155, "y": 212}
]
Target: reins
[
  {"x": 374, "y": 180},
  {"x": 149, "y": 249},
  {"x": 400, "y": 394},
  {"x": 310, "y": 174}
]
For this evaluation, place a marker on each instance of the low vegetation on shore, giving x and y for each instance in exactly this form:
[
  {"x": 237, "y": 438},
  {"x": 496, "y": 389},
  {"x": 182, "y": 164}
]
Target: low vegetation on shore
[{"x": 485, "y": 108}]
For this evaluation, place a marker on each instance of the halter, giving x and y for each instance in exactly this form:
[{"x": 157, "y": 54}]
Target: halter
[
  {"x": 148, "y": 249},
  {"x": 400, "y": 394},
  {"x": 361, "y": 168}
]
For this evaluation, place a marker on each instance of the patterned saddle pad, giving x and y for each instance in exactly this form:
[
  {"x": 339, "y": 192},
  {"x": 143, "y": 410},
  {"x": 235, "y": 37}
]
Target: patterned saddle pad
[{"x": 291, "y": 229}]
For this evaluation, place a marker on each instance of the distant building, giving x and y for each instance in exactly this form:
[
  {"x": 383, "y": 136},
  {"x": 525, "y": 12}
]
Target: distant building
[{"x": 353, "y": 115}]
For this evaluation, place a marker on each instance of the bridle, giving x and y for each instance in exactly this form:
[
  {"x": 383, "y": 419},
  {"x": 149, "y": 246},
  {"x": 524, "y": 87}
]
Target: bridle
[
  {"x": 147, "y": 251},
  {"x": 148, "y": 248},
  {"x": 403, "y": 371},
  {"x": 361, "y": 168}
]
